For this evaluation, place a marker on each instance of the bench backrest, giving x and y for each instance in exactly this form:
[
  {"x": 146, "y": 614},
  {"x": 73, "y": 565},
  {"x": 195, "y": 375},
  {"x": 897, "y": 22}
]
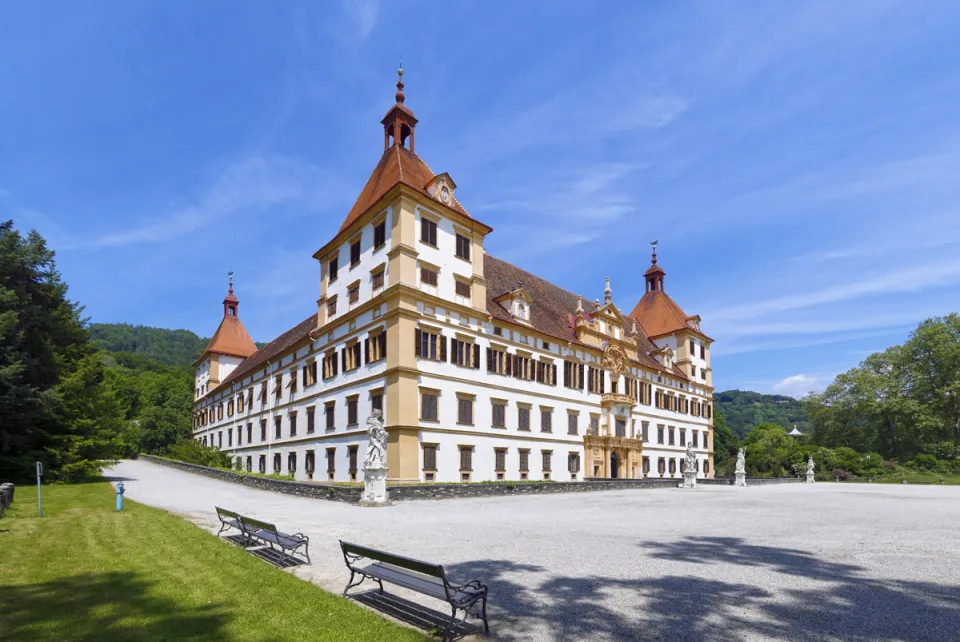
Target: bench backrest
[
  {"x": 223, "y": 512},
  {"x": 433, "y": 570},
  {"x": 256, "y": 523}
]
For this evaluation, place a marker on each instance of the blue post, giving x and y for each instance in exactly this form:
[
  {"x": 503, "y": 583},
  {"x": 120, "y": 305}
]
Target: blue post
[{"x": 120, "y": 495}]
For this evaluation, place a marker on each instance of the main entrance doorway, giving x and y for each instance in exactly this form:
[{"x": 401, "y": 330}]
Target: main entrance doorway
[{"x": 614, "y": 466}]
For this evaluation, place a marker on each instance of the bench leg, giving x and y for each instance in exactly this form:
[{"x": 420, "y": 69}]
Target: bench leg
[
  {"x": 352, "y": 584},
  {"x": 486, "y": 627},
  {"x": 451, "y": 624}
]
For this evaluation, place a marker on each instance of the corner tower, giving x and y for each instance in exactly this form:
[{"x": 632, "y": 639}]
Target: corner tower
[{"x": 230, "y": 345}]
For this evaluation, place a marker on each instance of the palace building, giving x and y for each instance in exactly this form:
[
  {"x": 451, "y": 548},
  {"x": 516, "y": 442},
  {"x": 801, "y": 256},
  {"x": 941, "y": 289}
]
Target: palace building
[{"x": 482, "y": 370}]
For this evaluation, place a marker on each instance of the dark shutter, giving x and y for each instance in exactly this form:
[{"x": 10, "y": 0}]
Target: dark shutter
[
  {"x": 539, "y": 372},
  {"x": 343, "y": 359},
  {"x": 453, "y": 350},
  {"x": 313, "y": 370},
  {"x": 603, "y": 376},
  {"x": 382, "y": 340},
  {"x": 366, "y": 350},
  {"x": 581, "y": 376},
  {"x": 508, "y": 363},
  {"x": 335, "y": 365},
  {"x": 356, "y": 353},
  {"x": 489, "y": 359},
  {"x": 417, "y": 343},
  {"x": 554, "y": 374},
  {"x": 443, "y": 347},
  {"x": 566, "y": 373},
  {"x": 476, "y": 356}
]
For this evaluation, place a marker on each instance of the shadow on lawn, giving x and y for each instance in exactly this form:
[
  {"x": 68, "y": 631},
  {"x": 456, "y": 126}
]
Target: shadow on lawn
[
  {"x": 806, "y": 599},
  {"x": 102, "y": 607}
]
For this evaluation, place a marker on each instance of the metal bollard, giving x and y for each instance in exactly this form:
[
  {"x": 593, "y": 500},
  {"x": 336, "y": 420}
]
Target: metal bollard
[{"x": 120, "y": 491}]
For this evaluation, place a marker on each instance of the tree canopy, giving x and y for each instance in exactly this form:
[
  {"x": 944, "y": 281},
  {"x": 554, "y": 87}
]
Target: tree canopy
[{"x": 744, "y": 410}]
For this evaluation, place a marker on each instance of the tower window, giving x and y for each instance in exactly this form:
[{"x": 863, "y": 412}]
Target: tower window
[{"x": 428, "y": 232}]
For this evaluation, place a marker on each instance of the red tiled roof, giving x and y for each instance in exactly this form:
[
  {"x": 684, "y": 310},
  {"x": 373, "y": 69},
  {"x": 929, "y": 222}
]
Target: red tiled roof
[
  {"x": 553, "y": 311},
  {"x": 397, "y": 165},
  {"x": 658, "y": 314},
  {"x": 276, "y": 347},
  {"x": 230, "y": 339}
]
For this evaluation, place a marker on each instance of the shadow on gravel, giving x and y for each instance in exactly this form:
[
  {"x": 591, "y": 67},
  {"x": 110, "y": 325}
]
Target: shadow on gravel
[
  {"x": 823, "y": 600},
  {"x": 416, "y": 615}
]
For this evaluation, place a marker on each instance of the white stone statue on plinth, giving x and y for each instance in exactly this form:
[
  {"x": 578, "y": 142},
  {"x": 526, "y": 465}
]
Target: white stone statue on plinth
[
  {"x": 741, "y": 470},
  {"x": 810, "y": 470},
  {"x": 690, "y": 468},
  {"x": 375, "y": 464}
]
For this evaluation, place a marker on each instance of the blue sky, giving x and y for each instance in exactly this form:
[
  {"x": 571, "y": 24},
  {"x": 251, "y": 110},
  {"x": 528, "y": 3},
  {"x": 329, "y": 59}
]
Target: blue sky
[{"x": 798, "y": 162}]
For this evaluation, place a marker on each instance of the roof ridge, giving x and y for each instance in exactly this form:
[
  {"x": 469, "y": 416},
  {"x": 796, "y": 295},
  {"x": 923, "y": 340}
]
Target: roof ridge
[{"x": 400, "y": 161}]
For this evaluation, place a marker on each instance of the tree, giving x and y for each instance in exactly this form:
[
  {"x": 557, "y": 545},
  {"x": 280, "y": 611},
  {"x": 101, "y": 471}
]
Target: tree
[
  {"x": 725, "y": 443},
  {"x": 53, "y": 407},
  {"x": 167, "y": 402},
  {"x": 769, "y": 450}
]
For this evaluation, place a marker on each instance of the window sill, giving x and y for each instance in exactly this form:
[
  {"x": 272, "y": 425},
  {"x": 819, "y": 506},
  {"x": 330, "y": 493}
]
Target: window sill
[
  {"x": 499, "y": 428},
  {"x": 460, "y": 423},
  {"x": 429, "y": 421}
]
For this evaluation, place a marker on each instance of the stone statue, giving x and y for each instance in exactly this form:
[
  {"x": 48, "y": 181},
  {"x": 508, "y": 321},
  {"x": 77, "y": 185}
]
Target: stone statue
[
  {"x": 741, "y": 471},
  {"x": 376, "y": 442},
  {"x": 810, "y": 466},
  {"x": 690, "y": 468}
]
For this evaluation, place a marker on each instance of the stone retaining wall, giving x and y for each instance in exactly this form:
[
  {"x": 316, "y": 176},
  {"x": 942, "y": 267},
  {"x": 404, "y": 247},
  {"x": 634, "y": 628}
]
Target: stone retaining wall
[{"x": 351, "y": 494}]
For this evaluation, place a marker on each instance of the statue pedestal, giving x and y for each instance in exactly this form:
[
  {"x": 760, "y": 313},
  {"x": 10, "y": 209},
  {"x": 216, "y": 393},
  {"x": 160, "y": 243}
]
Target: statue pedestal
[
  {"x": 689, "y": 480},
  {"x": 809, "y": 478},
  {"x": 375, "y": 487},
  {"x": 741, "y": 480}
]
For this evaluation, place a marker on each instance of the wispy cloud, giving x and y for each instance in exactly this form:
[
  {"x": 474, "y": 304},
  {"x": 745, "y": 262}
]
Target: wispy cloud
[
  {"x": 911, "y": 279},
  {"x": 362, "y": 14},
  {"x": 799, "y": 385},
  {"x": 249, "y": 186},
  {"x": 726, "y": 348}
]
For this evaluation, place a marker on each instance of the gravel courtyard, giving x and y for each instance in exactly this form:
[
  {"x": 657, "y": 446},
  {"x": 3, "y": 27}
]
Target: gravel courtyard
[{"x": 790, "y": 562}]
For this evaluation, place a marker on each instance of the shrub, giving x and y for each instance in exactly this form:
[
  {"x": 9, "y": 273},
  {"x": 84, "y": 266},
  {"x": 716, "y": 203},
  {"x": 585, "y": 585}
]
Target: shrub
[
  {"x": 926, "y": 462},
  {"x": 842, "y": 474},
  {"x": 193, "y": 452}
]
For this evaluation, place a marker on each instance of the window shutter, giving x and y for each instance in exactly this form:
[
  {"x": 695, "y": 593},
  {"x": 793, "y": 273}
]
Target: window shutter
[
  {"x": 566, "y": 373},
  {"x": 366, "y": 350},
  {"x": 416, "y": 341},
  {"x": 356, "y": 353},
  {"x": 603, "y": 376},
  {"x": 453, "y": 350},
  {"x": 581, "y": 376},
  {"x": 476, "y": 356},
  {"x": 304, "y": 376},
  {"x": 539, "y": 371},
  {"x": 343, "y": 359},
  {"x": 508, "y": 364},
  {"x": 554, "y": 374},
  {"x": 382, "y": 339},
  {"x": 334, "y": 363},
  {"x": 313, "y": 370},
  {"x": 443, "y": 347},
  {"x": 489, "y": 359}
]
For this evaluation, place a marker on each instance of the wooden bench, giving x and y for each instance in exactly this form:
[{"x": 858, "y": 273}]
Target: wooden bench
[
  {"x": 269, "y": 535},
  {"x": 415, "y": 575}
]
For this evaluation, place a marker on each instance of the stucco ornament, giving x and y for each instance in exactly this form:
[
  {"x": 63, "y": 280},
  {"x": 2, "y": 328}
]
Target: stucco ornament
[
  {"x": 615, "y": 360},
  {"x": 741, "y": 462},
  {"x": 376, "y": 442}
]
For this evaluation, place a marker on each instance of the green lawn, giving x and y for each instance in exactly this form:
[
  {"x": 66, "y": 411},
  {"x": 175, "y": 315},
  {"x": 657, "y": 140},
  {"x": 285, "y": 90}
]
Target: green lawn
[{"x": 86, "y": 572}]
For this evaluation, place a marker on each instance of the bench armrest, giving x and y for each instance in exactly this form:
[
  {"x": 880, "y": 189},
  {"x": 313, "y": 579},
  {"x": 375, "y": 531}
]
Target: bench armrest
[{"x": 476, "y": 585}]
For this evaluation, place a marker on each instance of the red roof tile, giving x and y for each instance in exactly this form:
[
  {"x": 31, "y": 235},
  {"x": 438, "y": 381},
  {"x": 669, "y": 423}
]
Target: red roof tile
[
  {"x": 230, "y": 339},
  {"x": 658, "y": 314},
  {"x": 276, "y": 347}
]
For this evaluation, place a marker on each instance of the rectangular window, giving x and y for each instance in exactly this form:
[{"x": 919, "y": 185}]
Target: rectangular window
[
  {"x": 378, "y": 280},
  {"x": 249, "y": 433},
  {"x": 498, "y": 361},
  {"x": 332, "y": 268},
  {"x": 546, "y": 373},
  {"x": 293, "y": 424},
  {"x": 645, "y": 428},
  {"x": 595, "y": 380},
  {"x": 671, "y": 434},
  {"x": 463, "y": 247},
  {"x": 696, "y": 438},
  {"x": 428, "y": 232},
  {"x": 660, "y": 439},
  {"x": 428, "y": 405},
  {"x": 547, "y": 459},
  {"x": 499, "y": 414},
  {"x": 293, "y": 380},
  {"x": 380, "y": 234},
  {"x": 524, "y": 461},
  {"x": 276, "y": 464},
  {"x": 375, "y": 346},
  {"x": 703, "y": 352},
  {"x": 463, "y": 289},
  {"x": 352, "y": 411},
  {"x": 309, "y": 463},
  {"x": 573, "y": 375},
  {"x": 428, "y": 277},
  {"x": 263, "y": 393},
  {"x": 291, "y": 463},
  {"x": 573, "y": 463},
  {"x": 430, "y": 345},
  {"x": 466, "y": 458},
  {"x": 523, "y": 418},
  {"x": 572, "y": 419},
  {"x": 465, "y": 354},
  {"x": 332, "y": 308},
  {"x": 522, "y": 367},
  {"x": 352, "y": 461},
  {"x": 354, "y": 252},
  {"x": 693, "y": 348},
  {"x": 277, "y": 426},
  {"x": 353, "y": 294},
  {"x": 376, "y": 402},
  {"x": 278, "y": 386},
  {"x": 330, "y": 364},
  {"x": 429, "y": 457},
  {"x": 331, "y": 462},
  {"x": 464, "y": 411},
  {"x": 351, "y": 357},
  {"x": 229, "y": 437},
  {"x": 311, "y": 419},
  {"x": 309, "y": 373},
  {"x": 683, "y": 437},
  {"x": 594, "y": 425},
  {"x": 262, "y": 464},
  {"x": 546, "y": 420},
  {"x": 328, "y": 411},
  {"x": 500, "y": 459},
  {"x": 263, "y": 430}
]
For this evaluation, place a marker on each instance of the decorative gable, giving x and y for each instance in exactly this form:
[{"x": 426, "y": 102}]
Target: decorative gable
[
  {"x": 441, "y": 187},
  {"x": 518, "y": 303}
]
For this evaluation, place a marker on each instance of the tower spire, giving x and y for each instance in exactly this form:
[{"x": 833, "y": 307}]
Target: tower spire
[
  {"x": 399, "y": 123},
  {"x": 607, "y": 292},
  {"x": 230, "y": 302},
  {"x": 400, "y": 97},
  {"x": 654, "y": 274}
]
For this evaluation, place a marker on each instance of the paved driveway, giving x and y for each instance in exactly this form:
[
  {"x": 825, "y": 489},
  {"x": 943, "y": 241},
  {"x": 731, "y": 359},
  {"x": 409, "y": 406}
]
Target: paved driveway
[{"x": 790, "y": 562}]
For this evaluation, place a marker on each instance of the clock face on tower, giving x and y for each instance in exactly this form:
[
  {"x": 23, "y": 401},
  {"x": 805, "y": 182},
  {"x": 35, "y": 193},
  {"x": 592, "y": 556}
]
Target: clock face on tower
[{"x": 445, "y": 194}]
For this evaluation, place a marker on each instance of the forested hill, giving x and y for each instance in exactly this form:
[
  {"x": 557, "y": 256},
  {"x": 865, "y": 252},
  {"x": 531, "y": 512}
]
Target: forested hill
[
  {"x": 744, "y": 410},
  {"x": 169, "y": 347}
]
